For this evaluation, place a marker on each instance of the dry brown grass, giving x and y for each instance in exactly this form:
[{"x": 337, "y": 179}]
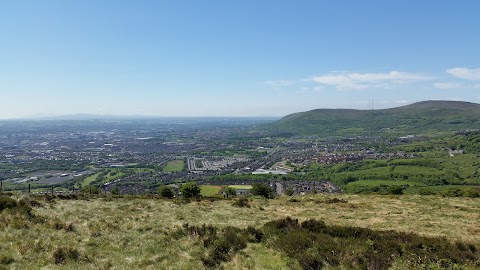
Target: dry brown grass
[{"x": 135, "y": 233}]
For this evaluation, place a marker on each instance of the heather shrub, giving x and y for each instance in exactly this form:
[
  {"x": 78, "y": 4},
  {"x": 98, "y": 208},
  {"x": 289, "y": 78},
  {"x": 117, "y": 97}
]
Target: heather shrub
[
  {"x": 7, "y": 202},
  {"x": 315, "y": 245},
  {"x": 62, "y": 254},
  {"x": 241, "y": 202}
]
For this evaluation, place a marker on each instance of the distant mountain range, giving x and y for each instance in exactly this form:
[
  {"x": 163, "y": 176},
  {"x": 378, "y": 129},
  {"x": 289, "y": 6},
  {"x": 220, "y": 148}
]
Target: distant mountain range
[
  {"x": 86, "y": 117},
  {"x": 421, "y": 117},
  {"x": 81, "y": 117}
]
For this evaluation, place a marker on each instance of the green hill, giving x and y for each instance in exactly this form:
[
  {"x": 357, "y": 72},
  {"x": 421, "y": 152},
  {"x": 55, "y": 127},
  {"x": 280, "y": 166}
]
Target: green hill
[{"x": 420, "y": 117}]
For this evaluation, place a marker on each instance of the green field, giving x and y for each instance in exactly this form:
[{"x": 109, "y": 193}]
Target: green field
[
  {"x": 21, "y": 187},
  {"x": 241, "y": 186},
  {"x": 438, "y": 189},
  {"x": 108, "y": 176},
  {"x": 384, "y": 182},
  {"x": 174, "y": 166},
  {"x": 208, "y": 191},
  {"x": 8, "y": 185},
  {"x": 140, "y": 170},
  {"x": 114, "y": 175},
  {"x": 362, "y": 185},
  {"x": 89, "y": 179}
]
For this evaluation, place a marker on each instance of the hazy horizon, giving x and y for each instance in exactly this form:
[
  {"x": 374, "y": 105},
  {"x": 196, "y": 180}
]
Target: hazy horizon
[
  {"x": 120, "y": 116},
  {"x": 83, "y": 116},
  {"x": 233, "y": 59}
]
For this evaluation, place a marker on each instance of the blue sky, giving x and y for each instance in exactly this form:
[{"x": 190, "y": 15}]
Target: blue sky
[{"x": 233, "y": 58}]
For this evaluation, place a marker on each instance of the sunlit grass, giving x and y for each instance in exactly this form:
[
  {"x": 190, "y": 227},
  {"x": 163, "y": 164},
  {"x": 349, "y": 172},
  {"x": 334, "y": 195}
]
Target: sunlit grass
[
  {"x": 174, "y": 166},
  {"x": 208, "y": 190},
  {"x": 89, "y": 179},
  {"x": 136, "y": 233},
  {"x": 241, "y": 186}
]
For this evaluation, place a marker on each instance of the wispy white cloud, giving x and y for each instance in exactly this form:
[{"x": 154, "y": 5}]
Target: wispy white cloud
[
  {"x": 465, "y": 73},
  {"x": 447, "y": 85},
  {"x": 347, "y": 80},
  {"x": 280, "y": 83},
  {"x": 310, "y": 89}
]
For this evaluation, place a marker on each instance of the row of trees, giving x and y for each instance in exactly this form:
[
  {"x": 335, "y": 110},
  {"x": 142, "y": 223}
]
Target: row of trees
[
  {"x": 188, "y": 190},
  {"x": 192, "y": 190}
]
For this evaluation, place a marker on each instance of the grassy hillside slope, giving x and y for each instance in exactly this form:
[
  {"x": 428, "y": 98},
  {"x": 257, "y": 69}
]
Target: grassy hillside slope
[
  {"x": 421, "y": 117},
  {"x": 149, "y": 233}
]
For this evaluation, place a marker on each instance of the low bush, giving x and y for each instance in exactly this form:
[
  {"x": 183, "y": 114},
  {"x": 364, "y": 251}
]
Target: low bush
[
  {"x": 263, "y": 190},
  {"x": 394, "y": 190},
  {"x": 230, "y": 192},
  {"x": 62, "y": 254},
  {"x": 7, "y": 202},
  {"x": 32, "y": 202},
  {"x": 166, "y": 192},
  {"x": 313, "y": 225},
  {"x": 336, "y": 200},
  {"x": 200, "y": 231},
  {"x": 315, "y": 245},
  {"x": 91, "y": 190},
  {"x": 190, "y": 190},
  {"x": 472, "y": 193},
  {"x": 69, "y": 196},
  {"x": 12, "y": 207},
  {"x": 241, "y": 202},
  {"x": 220, "y": 244},
  {"x": 427, "y": 191},
  {"x": 453, "y": 192},
  {"x": 6, "y": 259}
]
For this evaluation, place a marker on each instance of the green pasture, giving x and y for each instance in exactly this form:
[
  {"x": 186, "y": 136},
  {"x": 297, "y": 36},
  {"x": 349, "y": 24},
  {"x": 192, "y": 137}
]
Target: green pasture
[
  {"x": 437, "y": 189},
  {"x": 141, "y": 170},
  {"x": 209, "y": 191},
  {"x": 112, "y": 175},
  {"x": 241, "y": 186},
  {"x": 174, "y": 166},
  {"x": 89, "y": 179}
]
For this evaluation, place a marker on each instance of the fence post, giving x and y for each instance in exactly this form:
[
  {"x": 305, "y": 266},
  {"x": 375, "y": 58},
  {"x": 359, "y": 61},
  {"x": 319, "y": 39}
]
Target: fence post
[
  {"x": 52, "y": 190},
  {"x": 28, "y": 188}
]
